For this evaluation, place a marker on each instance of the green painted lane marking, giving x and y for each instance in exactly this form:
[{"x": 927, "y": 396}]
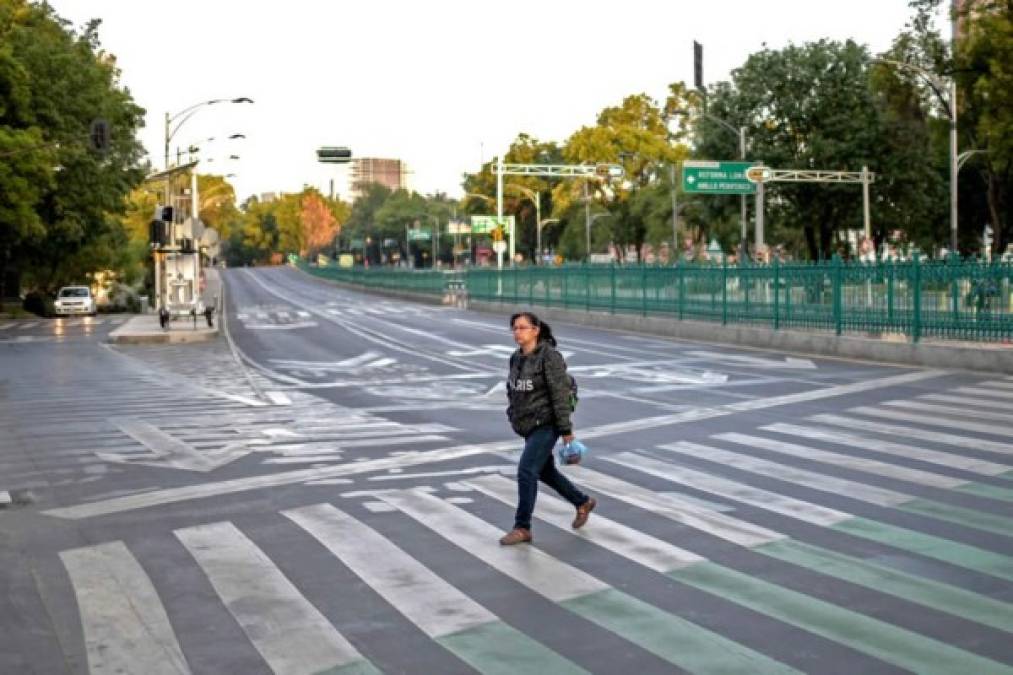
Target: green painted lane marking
[
  {"x": 950, "y": 599},
  {"x": 673, "y": 638},
  {"x": 877, "y": 638},
  {"x": 959, "y": 515},
  {"x": 500, "y": 649},
  {"x": 990, "y": 491},
  {"x": 961, "y": 555}
]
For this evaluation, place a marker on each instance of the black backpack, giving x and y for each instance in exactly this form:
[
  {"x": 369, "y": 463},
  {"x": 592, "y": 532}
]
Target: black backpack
[{"x": 573, "y": 393}]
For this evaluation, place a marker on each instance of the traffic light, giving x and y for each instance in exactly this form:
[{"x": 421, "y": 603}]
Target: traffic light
[
  {"x": 157, "y": 231},
  {"x": 334, "y": 155},
  {"x": 98, "y": 135}
]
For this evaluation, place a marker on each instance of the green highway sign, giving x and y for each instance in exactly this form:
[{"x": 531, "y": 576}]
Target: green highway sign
[
  {"x": 486, "y": 224},
  {"x": 717, "y": 178},
  {"x": 419, "y": 235}
]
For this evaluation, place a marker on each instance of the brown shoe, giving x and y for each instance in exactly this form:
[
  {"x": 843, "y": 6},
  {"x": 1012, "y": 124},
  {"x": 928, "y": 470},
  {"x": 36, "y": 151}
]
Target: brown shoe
[
  {"x": 584, "y": 512},
  {"x": 518, "y": 535}
]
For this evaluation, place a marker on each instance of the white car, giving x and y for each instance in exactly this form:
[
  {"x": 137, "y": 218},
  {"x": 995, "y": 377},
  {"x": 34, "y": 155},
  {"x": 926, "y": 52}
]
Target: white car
[{"x": 74, "y": 300}]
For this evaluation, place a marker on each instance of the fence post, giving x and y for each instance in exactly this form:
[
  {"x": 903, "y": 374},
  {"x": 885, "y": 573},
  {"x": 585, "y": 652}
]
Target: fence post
[
  {"x": 953, "y": 271},
  {"x": 891, "y": 272},
  {"x": 643, "y": 286},
  {"x": 916, "y": 318},
  {"x": 587, "y": 286},
  {"x": 838, "y": 292},
  {"x": 681, "y": 266},
  {"x": 777, "y": 293},
  {"x": 724, "y": 291},
  {"x": 612, "y": 279}
]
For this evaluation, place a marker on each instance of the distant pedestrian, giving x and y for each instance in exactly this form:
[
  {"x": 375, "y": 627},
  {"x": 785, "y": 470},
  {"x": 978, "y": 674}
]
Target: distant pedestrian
[{"x": 538, "y": 389}]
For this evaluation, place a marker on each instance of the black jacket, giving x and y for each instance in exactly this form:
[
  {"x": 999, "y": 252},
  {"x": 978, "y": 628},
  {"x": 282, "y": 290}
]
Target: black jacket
[{"x": 538, "y": 390}]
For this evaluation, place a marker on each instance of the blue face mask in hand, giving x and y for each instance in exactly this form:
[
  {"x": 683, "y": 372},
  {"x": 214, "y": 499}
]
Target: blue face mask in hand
[{"x": 572, "y": 452}]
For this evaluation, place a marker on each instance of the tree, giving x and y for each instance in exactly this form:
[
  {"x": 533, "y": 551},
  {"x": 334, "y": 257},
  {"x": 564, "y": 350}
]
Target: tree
[
  {"x": 58, "y": 226},
  {"x": 984, "y": 71},
  {"x": 634, "y": 134}
]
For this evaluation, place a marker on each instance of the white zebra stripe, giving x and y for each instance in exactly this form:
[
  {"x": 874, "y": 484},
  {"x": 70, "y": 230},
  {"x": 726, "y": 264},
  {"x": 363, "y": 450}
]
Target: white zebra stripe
[
  {"x": 670, "y": 506},
  {"x": 428, "y": 601},
  {"x": 933, "y": 420},
  {"x": 287, "y": 630},
  {"x": 949, "y": 411},
  {"x": 872, "y": 466},
  {"x": 860, "y": 491},
  {"x": 969, "y": 464},
  {"x": 624, "y": 541},
  {"x": 765, "y": 499},
  {"x": 913, "y": 432},
  {"x": 126, "y": 629},
  {"x": 978, "y": 391},
  {"x": 966, "y": 401},
  {"x": 530, "y": 567}
]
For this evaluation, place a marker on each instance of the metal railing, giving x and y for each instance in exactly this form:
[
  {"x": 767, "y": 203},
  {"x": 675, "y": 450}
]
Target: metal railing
[{"x": 952, "y": 299}]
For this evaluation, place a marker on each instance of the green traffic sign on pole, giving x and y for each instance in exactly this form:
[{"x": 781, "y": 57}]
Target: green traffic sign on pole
[
  {"x": 717, "y": 178},
  {"x": 419, "y": 234},
  {"x": 486, "y": 224}
]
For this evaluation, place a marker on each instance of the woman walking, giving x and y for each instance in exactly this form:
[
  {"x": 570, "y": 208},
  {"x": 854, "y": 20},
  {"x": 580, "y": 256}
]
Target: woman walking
[{"x": 538, "y": 389}]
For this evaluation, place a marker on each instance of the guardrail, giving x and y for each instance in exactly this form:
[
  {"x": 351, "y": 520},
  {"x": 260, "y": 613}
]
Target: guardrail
[{"x": 952, "y": 299}]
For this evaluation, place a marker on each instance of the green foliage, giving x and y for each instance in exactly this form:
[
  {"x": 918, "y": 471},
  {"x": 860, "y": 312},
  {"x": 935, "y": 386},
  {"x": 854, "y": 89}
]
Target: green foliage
[{"x": 59, "y": 216}]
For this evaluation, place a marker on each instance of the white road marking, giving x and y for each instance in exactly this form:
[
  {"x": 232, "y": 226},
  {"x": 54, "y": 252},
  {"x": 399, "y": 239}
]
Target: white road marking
[
  {"x": 731, "y": 489},
  {"x": 30, "y": 324},
  {"x": 790, "y": 474},
  {"x": 914, "y": 432},
  {"x": 527, "y": 565},
  {"x": 126, "y": 629},
  {"x": 978, "y": 391},
  {"x": 215, "y": 489},
  {"x": 429, "y": 602},
  {"x": 287, "y": 630},
  {"x": 754, "y": 361},
  {"x": 949, "y": 411},
  {"x": 167, "y": 451},
  {"x": 624, "y": 541},
  {"x": 862, "y": 464},
  {"x": 966, "y": 401},
  {"x": 970, "y": 464},
  {"x": 278, "y": 398},
  {"x": 674, "y": 508},
  {"x": 934, "y": 420}
]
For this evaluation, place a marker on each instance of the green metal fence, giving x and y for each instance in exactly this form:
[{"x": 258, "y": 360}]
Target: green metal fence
[{"x": 952, "y": 299}]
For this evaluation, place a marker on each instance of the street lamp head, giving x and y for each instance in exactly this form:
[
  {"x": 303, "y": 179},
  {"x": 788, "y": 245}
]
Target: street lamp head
[
  {"x": 234, "y": 136},
  {"x": 242, "y": 99}
]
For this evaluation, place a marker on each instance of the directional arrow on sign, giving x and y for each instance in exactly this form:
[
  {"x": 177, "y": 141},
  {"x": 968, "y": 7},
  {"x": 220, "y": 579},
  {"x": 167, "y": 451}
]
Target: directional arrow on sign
[
  {"x": 755, "y": 361},
  {"x": 171, "y": 453}
]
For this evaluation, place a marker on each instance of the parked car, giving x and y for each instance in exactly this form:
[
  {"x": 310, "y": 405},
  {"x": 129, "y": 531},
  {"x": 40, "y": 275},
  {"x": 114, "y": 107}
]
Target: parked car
[{"x": 74, "y": 300}]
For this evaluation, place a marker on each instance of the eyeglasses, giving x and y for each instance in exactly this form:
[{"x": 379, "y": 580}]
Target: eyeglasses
[{"x": 513, "y": 328}]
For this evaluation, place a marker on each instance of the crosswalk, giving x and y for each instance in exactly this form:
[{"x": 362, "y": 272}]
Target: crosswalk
[
  {"x": 12, "y": 326},
  {"x": 875, "y": 539}
]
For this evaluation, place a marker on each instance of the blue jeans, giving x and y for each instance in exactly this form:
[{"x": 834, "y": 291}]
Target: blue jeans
[{"x": 537, "y": 463}]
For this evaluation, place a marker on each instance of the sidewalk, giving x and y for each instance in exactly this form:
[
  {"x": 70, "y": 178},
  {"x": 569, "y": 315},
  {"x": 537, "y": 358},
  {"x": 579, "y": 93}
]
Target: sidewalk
[{"x": 144, "y": 328}]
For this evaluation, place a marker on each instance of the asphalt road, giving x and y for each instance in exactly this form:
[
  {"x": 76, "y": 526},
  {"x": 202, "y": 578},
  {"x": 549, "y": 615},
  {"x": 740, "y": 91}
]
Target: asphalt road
[{"x": 322, "y": 490}]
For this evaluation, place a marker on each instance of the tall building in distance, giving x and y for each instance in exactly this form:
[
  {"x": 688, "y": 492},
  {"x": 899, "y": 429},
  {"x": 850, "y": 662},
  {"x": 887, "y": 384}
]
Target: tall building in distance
[{"x": 391, "y": 173}]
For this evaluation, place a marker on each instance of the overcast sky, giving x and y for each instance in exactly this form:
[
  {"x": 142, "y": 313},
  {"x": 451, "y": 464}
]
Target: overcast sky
[{"x": 441, "y": 84}]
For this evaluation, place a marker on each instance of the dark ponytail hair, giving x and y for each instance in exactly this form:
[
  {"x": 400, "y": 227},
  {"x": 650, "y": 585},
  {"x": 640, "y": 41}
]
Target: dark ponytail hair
[{"x": 544, "y": 330}]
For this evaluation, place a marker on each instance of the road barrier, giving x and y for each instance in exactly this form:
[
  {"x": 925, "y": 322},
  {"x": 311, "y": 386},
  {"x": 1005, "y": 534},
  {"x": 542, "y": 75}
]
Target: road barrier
[{"x": 910, "y": 300}]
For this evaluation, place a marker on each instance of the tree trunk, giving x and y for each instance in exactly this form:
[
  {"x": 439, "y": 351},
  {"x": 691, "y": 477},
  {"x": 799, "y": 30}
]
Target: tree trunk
[
  {"x": 1001, "y": 234},
  {"x": 810, "y": 242}
]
